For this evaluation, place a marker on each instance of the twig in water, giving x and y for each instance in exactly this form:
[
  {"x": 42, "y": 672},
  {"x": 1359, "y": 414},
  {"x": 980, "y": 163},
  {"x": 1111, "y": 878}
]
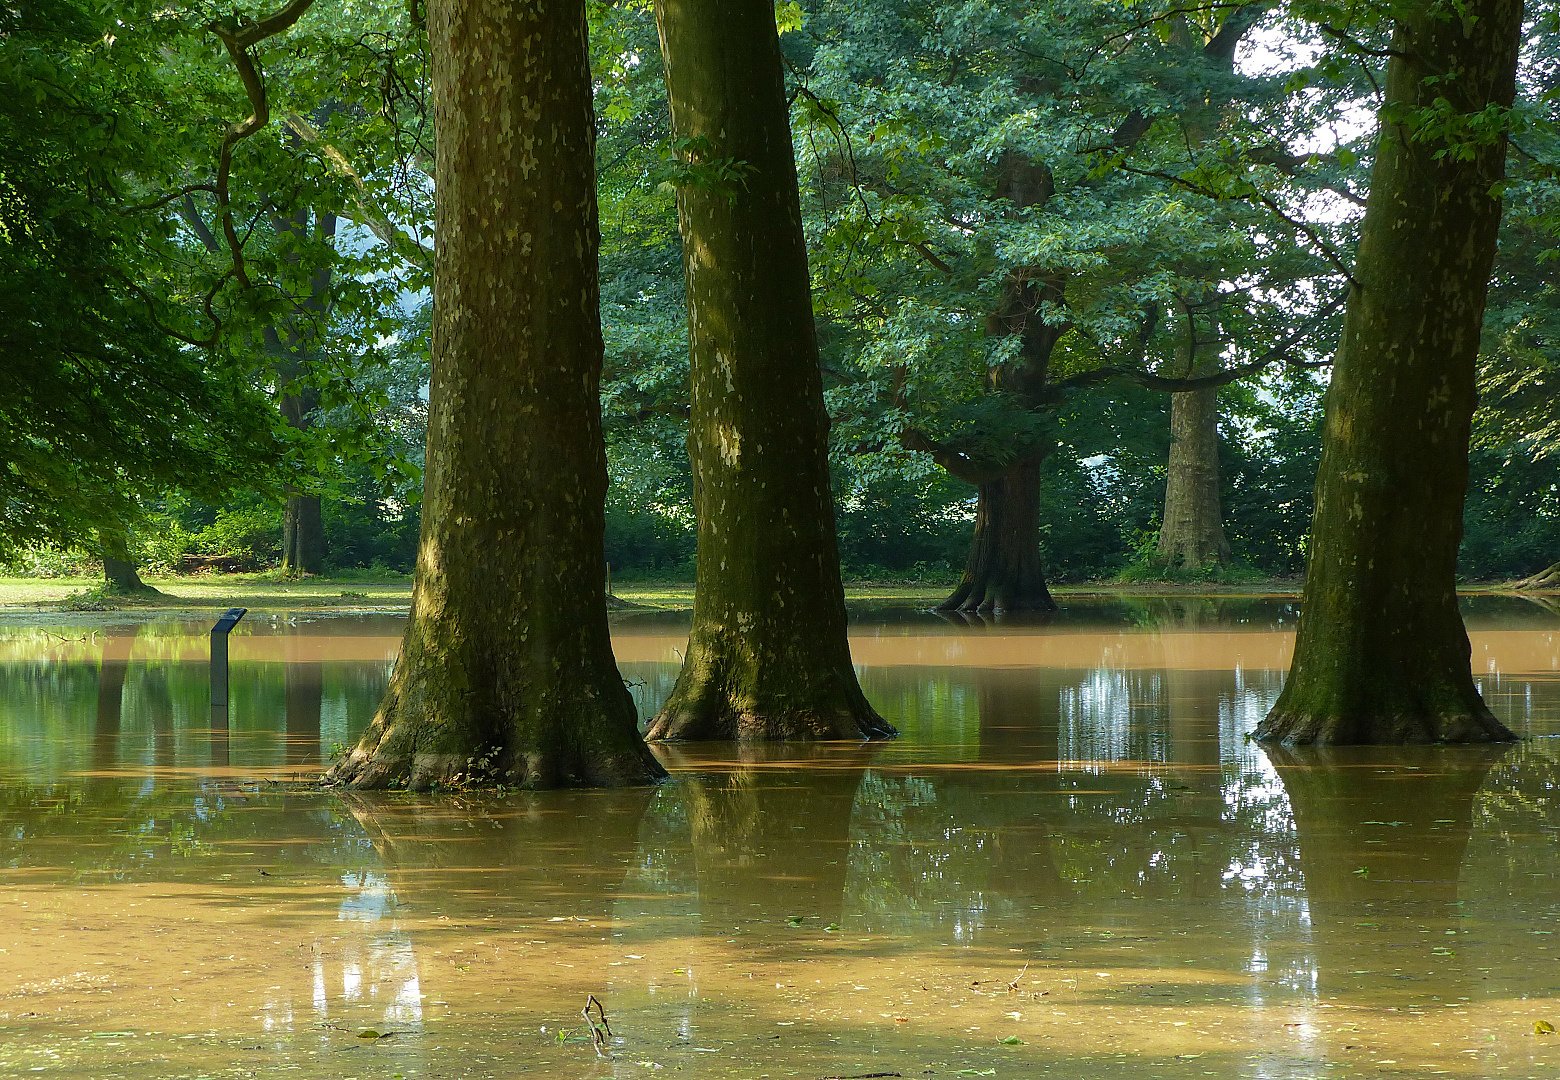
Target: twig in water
[
  {"x": 859, "y": 1076},
  {"x": 599, "y": 1033},
  {"x": 1013, "y": 986}
]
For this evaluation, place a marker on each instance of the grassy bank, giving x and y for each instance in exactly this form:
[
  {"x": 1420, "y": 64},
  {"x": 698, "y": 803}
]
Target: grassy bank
[{"x": 361, "y": 591}]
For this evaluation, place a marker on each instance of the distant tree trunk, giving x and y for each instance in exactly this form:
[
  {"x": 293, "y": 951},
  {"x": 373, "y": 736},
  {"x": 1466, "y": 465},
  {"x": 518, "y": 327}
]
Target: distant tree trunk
[
  {"x": 1192, "y": 533},
  {"x": 293, "y": 342},
  {"x": 1004, "y": 572},
  {"x": 1381, "y": 654},
  {"x": 507, "y": 656},
  {"x": 303, "y": 535},
  {"x": 768, "y": 657},
  {"x": 119, "y": 572}
]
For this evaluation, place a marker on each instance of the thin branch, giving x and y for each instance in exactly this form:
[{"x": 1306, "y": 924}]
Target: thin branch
[
  {"x": 191, "y": 215},
  {"x": 956, "y": 462},
  {"x": 151, "y": 307},
  {"x": 182, "y": 193},
  {"x": 1256, "y": 193},
  {"x": 238, "y": 39},
  {"x": 394, "y": 237},
  {"x": 1223, "y": 378}
]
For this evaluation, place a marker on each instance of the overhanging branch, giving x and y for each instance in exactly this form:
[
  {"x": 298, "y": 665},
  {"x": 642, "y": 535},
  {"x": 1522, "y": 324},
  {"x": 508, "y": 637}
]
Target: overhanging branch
[{"x": 1222, "y": 378}]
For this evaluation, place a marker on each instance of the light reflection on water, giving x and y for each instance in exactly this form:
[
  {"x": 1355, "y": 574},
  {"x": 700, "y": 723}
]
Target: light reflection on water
[{"x": 1075, "y": 795}]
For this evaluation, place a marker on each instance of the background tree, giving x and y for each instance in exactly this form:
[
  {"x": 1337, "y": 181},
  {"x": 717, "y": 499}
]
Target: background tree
[
  {"x": 767, "y": 655},
  {"x": 1035, "y": 210},
  {"x": 101, "y": 406}
]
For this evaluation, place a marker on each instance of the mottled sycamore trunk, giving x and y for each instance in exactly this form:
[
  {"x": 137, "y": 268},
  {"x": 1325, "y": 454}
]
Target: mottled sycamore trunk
[
  {"x": 507, "y": 652},
  {"x": 1192, "y": 533},
  {"x": 1004, "y": 572},
  {"x": 767, "y": 658},
  {"x": 120, "y": 576},
  {"x": 1381, "y": 654}
]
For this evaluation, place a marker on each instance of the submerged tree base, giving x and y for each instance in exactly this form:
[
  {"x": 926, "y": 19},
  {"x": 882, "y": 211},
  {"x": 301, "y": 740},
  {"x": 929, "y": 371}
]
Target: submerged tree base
[
  {"x": 1290, "y": 727},
  {"x": 986, "y": 595},
  {"x": 818, "y": 704},
  {"x": 550, "y": 738}
]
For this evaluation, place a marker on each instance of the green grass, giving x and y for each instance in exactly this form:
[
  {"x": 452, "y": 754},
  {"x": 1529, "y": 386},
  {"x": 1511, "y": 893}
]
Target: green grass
[
  {"x": 381, "y": 590},
  {"x": 260, "y": 591}
]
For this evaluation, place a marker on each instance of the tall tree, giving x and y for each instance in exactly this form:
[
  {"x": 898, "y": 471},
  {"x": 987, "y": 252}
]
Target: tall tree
[
  {"x": 768, "y": 656},
  {"x": 507, "y": 665},
  {"x": 1381, "y": 654},
  {"x": 1007, "y": 211}
]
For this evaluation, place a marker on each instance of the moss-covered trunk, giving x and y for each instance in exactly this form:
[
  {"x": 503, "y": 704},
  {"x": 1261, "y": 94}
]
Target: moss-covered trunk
[
  {"x": 1004, "y": 572},
  {"x": 767, "y": 658},
  {"x": 1382, "y": 655},
  {"x": 507, "y": 657}
]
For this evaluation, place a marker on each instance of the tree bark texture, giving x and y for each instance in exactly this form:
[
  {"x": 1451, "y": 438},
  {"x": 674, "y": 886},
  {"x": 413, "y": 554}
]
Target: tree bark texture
[
  {"x": 120, "y": 576},
  {"x": 1382, "y": 655},
  {"x": 1192, "y": 532},
  {"x": 1004, "y": 572},
  {"x": 303, "y": 535},
  {"x": 768, "y": 657},
  {"x": 507, "y": 657}
]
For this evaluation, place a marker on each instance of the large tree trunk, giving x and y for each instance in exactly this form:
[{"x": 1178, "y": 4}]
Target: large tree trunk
[
  {"x": 507, "y": 659},
  {"x": 1004, "y": 572},
  {"x": 120, "y": 576},
  {"x": 1192, "y": 533},
  {"x": 768, "y": 657},
  {"x": 1381, "y": 654}
]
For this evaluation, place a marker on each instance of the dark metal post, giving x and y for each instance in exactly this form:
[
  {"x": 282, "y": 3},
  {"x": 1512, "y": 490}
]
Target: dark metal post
[{"x": 219, "y": 655}]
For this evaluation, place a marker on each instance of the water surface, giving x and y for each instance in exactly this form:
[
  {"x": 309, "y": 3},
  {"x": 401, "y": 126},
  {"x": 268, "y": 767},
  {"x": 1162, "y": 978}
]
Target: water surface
[{"x": 1072, "y": 863}]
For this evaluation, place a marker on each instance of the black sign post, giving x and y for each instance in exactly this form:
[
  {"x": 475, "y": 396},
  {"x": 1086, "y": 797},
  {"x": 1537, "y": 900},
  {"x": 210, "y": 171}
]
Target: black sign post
[{"x": 219, "y": 655}]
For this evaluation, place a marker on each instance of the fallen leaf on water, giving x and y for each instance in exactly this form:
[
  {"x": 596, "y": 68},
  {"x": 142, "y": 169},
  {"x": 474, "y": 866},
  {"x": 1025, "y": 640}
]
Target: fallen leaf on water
[
  {"x": 650, "y": 1064},
  {"x": 1012, "y": 1040},
  {"x": 368, "y": 1033},
  {"x": 901, "y": 1019},
  {"x": 831, "y": 928},
  {"x": 1543, "y": 1027}
]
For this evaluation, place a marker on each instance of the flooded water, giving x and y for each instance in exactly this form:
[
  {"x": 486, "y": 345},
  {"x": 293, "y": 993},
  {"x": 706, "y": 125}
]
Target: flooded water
[{"x": 1071, "y": 864}]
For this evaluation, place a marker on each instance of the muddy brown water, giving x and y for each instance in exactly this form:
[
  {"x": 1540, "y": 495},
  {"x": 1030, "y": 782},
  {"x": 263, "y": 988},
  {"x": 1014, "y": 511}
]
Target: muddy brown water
[{"x": 1072, "y": 863}]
